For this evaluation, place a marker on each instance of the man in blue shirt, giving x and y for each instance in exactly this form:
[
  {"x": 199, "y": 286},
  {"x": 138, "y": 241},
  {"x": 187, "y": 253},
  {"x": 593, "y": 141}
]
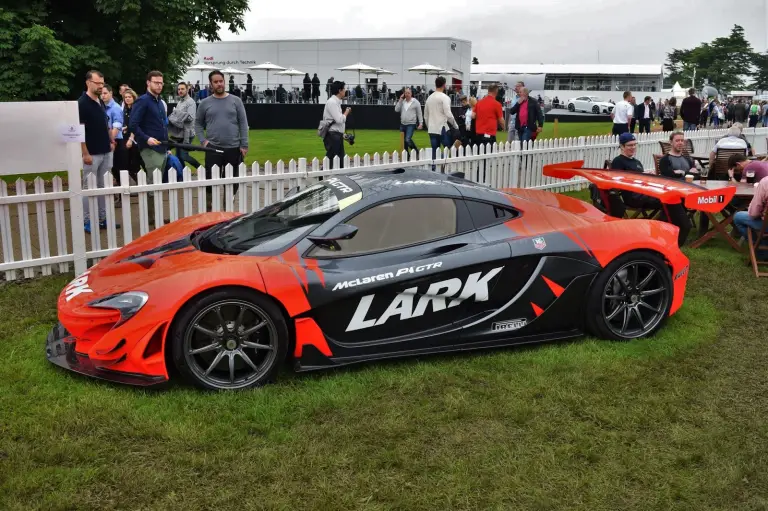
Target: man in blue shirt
[
  {"x": 115, "y": 125},
  {"x": 149, "y": 124},
  {"x": 97, "y": 148}
]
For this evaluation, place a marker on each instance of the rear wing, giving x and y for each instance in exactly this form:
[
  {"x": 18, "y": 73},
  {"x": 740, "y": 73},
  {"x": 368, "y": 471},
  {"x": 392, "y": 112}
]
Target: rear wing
[{"x": 667, "y": 190}]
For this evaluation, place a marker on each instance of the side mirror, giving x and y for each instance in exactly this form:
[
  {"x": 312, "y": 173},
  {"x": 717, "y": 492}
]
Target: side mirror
[{"x": 330, "y": 240}]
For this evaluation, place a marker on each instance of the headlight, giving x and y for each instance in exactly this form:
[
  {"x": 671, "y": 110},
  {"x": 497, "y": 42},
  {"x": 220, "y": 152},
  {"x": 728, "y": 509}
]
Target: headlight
[{"x": 127, "y": 303}]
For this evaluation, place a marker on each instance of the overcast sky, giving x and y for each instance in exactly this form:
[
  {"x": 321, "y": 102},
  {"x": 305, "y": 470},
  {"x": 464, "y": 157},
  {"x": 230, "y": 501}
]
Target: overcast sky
[{"x": 520, "y": 31}]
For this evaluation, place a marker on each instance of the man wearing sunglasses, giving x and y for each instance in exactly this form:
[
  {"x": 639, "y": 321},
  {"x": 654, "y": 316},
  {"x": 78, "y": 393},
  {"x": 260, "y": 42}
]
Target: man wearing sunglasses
[{"x": 181, "y": 123}]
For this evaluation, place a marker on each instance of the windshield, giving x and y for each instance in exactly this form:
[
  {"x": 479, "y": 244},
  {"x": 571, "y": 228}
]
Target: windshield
[{"x": 277, "y": 224}]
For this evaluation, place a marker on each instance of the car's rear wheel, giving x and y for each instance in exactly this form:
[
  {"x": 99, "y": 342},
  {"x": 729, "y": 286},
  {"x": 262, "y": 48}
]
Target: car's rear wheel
[
  {"x": 571, "y": 107},
  {"x": 630, "y": 298},
  {"x": 595, "y": 109},
  {"x": 229, "y": 339}
]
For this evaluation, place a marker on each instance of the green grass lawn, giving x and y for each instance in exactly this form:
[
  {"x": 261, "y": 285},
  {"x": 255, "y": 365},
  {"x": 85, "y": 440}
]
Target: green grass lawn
[
  {"x": 673, "y": 422},
  {"x": 274, "y": 145}
]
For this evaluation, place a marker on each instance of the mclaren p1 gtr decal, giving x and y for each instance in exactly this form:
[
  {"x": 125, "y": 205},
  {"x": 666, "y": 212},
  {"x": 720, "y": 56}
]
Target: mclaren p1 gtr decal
[
  {"x": 78, "y": 286},
  {"x": 438, "y": 294},
  {"x": 346, "y": 190},
  {"x": 386, "y": 276}
]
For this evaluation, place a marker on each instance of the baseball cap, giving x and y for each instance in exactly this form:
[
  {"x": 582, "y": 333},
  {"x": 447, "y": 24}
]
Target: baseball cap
[{"x": 626, "y": 137}]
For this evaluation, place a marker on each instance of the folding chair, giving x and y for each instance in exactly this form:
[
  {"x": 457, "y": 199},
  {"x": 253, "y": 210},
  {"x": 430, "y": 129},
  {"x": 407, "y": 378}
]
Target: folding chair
[
  {"x": 630, "y": 212},
  {"x": 656, "y": 162},
  {"x": 687, "y": 149},
  {"x": 758, "y": 241},
  {"x": 718, "y": 169}
]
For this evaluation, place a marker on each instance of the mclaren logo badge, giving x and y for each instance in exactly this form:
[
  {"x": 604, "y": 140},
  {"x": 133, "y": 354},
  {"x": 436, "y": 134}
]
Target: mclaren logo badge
[{"x": 442, "y": 295}]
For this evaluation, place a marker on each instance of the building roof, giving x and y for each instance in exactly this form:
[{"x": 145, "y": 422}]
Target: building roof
[
  {"x": 326, "y": 39},
  {"x": 566, "y": 69}
]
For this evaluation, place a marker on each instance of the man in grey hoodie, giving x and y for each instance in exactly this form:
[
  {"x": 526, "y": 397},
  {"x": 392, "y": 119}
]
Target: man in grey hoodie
[
  {"x": 409, "y": 109},
  {"x": 181, "y": 123}
]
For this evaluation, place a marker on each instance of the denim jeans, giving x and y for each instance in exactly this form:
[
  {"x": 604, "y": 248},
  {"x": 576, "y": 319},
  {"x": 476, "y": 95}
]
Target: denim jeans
[
  {"x": 101, "y": 164},
  {"x": 742, "y": 221},
  {"x": 690, "y": 126},
  {"x": 184, "y": 156},
  {"x": 443, "y": 138},
  {"x": 524, "y": 134},
  {"x": 409, "y": 129}
]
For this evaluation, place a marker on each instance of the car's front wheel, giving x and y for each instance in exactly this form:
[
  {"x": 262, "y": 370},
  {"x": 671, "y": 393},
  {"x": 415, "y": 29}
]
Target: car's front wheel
[
  {"x": 595, "y": 109},
  {"x": 630, "y": 298},
  {"x": 229, "y": 339}
]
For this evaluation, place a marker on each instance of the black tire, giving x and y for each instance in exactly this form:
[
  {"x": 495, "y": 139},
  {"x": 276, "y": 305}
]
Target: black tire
[
  {"x": 595, "y": 109},
  {"x": 571, "y": 107},
  {"x": 241, "y": 345},
  {"x": 617, "y": 308}
]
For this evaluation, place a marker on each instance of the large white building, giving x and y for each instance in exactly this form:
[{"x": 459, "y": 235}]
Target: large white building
[
  {"x": 565, "y": 81},
  {"x": 325, "y": 56}
]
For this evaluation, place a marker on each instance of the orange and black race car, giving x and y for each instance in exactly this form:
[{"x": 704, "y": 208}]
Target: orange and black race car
[{"x": 360, "y": 267}]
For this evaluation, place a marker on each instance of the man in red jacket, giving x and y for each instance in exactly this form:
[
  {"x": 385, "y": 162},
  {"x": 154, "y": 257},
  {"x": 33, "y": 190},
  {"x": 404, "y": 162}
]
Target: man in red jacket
[{"x": 488, "y": 117}]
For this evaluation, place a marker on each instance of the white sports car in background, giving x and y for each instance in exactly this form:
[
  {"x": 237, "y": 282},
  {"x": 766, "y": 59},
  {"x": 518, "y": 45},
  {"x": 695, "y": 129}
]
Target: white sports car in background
[{"x": 592, "y": 104}]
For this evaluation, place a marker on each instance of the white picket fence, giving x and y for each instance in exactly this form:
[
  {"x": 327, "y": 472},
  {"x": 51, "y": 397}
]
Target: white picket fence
[{"x": 53, "y": 245}]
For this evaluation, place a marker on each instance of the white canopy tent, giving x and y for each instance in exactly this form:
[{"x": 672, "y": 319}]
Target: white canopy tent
[
  {"x": 360, "y": 68},
  {"x": 267, "y": 66},
  {"x": 426, "y": 69},
  {"x": 202, "y": 67},
  {"x": 291, "y": 72}
]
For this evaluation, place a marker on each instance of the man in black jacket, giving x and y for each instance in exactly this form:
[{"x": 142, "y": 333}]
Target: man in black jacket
[
  {"x": 690, "y": 111},
  {"x": 644, "y": 114},
  {"x": 530, "y": 119}
]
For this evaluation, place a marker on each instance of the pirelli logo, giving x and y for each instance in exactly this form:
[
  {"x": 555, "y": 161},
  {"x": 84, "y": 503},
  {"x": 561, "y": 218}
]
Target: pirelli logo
[{"x": 513, "y": 324}]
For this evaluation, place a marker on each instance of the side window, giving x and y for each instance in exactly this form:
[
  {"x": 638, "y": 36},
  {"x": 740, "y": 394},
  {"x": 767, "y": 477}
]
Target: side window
[
  {"x": 398, "y": 224},
  {"x": 485, "y": 214}
]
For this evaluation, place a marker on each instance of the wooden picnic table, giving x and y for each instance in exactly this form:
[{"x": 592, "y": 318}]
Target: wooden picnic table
[
  {"x": 704, "y": 158},
  {"x": 744, "y": 194}
]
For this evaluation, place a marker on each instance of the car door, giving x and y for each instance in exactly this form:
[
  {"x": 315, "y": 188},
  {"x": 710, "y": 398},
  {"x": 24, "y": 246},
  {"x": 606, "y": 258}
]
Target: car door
[
  {"x": 583, "y": 104},
  {"x": 415, "y": 267}
]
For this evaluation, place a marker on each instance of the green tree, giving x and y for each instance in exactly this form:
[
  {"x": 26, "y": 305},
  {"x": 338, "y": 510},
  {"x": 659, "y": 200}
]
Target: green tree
[
  {"x": 725, "y": 62},
  {"x": 760, "y": 76},
  {"x": 46, "y": 46}
]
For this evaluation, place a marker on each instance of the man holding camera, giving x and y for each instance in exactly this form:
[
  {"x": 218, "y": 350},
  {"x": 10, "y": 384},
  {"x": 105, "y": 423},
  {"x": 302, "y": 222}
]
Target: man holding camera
[{"x": 334, "y": 139}]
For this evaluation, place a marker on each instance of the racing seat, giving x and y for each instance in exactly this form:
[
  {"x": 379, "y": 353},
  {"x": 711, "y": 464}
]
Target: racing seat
[{"x": 758, "y": 242}]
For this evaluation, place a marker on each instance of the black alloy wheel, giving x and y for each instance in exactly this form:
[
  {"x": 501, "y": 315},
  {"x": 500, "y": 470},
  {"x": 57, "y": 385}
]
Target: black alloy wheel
[
  {"x": 230, "y": 340},
  {"x": 631, "y": 298}
]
